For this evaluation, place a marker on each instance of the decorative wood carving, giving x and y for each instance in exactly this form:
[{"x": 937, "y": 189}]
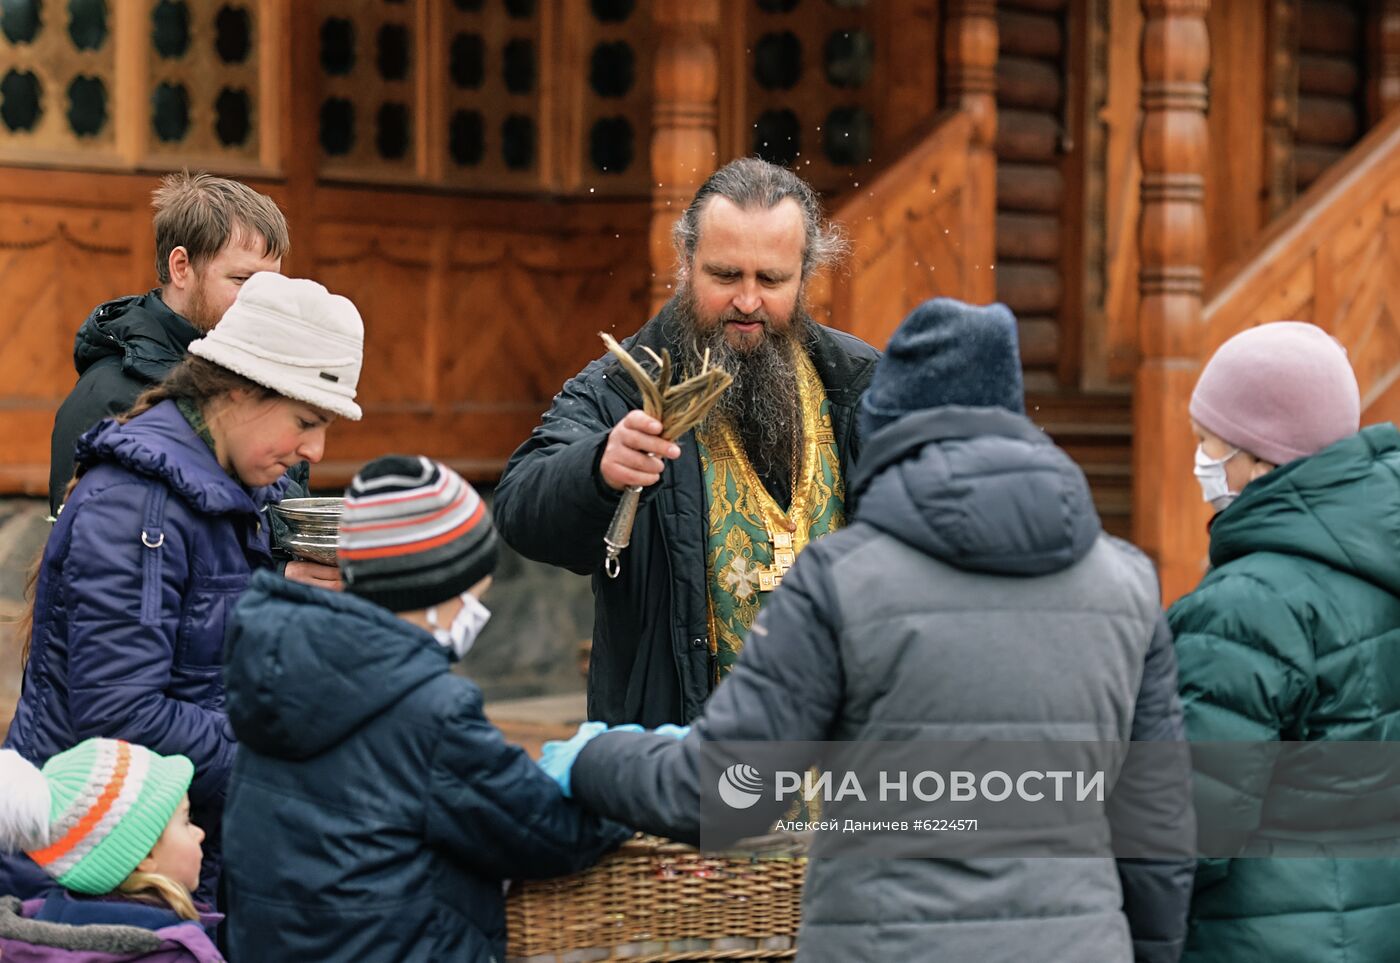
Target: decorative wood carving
[
  {"x": 39, "y": 68},
  {"x": 219, "y": 73},
  {"x": 1335, "y": 263},
  {"x": 1171, "y": 242},
  {"x": 57, "y": 261},
  {"x": 684, "y": 144},
  {"x": 476, "y": 311},
  {"x": 810, "y": 81}
]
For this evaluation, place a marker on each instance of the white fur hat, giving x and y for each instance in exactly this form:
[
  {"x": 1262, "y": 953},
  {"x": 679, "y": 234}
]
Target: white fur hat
[{"x": 293, "y": 336}]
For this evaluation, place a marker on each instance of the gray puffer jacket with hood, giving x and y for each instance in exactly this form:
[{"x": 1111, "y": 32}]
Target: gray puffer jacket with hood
[{"x": 974, "y": 597}]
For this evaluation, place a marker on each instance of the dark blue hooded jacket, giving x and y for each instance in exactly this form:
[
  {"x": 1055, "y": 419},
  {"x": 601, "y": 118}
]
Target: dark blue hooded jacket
[
  {"x": 138, "y": 578},
  {"x": 374, "y": 811}
]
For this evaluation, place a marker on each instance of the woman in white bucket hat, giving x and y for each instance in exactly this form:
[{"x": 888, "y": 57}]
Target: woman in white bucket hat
[{"x": 161, "y": 532}]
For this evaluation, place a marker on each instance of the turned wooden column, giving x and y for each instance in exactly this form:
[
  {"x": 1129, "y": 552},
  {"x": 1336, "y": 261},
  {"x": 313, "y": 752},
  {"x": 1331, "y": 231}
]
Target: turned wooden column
[
  {"x": 1384, "y": 93},
  {"x": 970, "y": 53},
  {"x": 1168, "y": 515},
  {"x": 685, "y": 119}
]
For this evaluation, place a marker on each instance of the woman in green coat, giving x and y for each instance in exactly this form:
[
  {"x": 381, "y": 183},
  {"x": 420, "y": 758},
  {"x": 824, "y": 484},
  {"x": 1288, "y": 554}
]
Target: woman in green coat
[{"x": 1293, "y": 636}]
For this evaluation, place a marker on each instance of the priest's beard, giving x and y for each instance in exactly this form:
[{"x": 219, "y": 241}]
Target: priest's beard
[{"x": 762, "y": 403}]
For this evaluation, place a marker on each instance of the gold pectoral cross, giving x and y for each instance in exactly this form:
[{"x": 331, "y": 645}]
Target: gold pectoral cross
[{"x": 771, "y": 576}]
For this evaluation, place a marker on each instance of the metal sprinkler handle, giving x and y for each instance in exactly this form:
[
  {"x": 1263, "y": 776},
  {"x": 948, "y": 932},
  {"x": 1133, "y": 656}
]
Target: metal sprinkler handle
[{"x": 619, "y": 534}]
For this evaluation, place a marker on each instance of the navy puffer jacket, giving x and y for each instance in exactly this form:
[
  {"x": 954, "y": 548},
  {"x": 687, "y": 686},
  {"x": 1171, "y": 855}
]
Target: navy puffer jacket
[
  {"x": 138, "y": 577},
  {"x": 374, "y": 809}
]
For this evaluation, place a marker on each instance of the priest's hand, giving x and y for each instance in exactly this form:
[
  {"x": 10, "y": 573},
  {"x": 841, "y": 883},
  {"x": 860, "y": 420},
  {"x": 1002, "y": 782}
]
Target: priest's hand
[{"x": 634, "y": 452}]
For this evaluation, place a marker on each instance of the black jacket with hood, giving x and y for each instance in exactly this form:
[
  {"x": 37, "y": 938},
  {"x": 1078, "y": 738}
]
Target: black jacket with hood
[
  {"x": 651, "y": 660},
  {"x": 125, "y": 346}
]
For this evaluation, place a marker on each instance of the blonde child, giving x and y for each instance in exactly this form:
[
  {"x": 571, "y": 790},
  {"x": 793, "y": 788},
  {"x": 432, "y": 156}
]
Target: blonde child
[{"x": 110, "y": 822}]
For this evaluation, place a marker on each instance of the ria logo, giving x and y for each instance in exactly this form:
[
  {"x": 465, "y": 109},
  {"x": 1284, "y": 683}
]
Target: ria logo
[{"x": 740, "y": 786}]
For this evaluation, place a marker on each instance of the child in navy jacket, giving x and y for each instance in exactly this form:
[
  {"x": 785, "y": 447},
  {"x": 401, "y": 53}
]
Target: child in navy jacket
[{"x": 374, "y": 811}]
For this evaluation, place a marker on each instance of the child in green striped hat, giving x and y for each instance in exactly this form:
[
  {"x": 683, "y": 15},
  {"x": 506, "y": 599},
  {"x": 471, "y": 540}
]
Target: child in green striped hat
[{"x": 104, "y": 819}]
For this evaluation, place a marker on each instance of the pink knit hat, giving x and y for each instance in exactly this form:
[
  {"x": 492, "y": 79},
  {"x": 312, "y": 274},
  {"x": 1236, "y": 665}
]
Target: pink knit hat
[{"x": 1280, "y": 391}]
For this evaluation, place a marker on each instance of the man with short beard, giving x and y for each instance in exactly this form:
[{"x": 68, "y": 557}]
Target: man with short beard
[
  {"x": 212, "y": 234},
  {"x": 763, "y": 476}
]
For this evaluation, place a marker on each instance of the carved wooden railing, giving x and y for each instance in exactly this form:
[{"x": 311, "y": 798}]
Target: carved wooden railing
[
  {"x": 916, "y": 232},
  {"x": 1332, "y": 259}
]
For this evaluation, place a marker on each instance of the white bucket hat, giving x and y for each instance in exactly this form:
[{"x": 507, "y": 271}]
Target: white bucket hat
[{"x": 293, "y": 336}]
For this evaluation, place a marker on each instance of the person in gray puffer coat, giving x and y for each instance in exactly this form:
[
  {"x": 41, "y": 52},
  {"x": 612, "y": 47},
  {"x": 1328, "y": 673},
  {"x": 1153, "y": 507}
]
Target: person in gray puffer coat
[{"x": 975, "y": 597}]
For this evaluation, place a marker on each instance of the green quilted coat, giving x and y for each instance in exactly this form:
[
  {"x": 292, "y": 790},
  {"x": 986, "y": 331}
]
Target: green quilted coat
[{"x": 1295, "y": 635}]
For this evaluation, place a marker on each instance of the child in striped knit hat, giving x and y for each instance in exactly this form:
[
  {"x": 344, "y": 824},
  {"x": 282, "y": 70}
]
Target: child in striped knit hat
[
  {"x": 374, "y": 810},
  {"x": 110, "y": 822}
]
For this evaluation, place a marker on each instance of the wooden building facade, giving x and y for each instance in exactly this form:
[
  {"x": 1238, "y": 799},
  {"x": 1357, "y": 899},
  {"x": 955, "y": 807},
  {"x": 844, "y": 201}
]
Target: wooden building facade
[{"x": 494, "y": 181}]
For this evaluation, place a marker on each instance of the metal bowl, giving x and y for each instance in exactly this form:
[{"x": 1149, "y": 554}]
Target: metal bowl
[{"x": 309, "y": 527}]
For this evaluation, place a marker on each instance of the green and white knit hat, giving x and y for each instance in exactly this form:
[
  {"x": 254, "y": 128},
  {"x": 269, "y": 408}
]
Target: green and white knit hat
[{"x": 93, "y": 813}]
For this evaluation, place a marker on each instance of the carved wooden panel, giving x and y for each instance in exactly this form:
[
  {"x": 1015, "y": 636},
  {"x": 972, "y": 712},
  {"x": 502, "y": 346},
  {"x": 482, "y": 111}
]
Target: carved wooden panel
[
  {"x": 204, "y": 92},
  {"x": 804, "y": 85},
  {"x": 472, "y": 329},
  {"x": 609, "y": 86},
  {"x": 576, "y": 287},
  {"x": 491, "y": 130},
  {"x": 372, "y": 110},
  {"x": 387, "y": 272},
  {"x": 58, "y": 83},
  {"x": 1348, "y": 282},
  {"x": 43, "y": 300}
]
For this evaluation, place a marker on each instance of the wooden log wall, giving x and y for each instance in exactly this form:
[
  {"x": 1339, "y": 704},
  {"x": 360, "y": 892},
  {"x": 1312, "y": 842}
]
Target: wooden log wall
[
  {"x": 1032, "y": 194},
  {"x": 1332, "y": 55}
]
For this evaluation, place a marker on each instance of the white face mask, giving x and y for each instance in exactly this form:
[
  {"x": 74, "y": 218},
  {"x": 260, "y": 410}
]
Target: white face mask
[
  {"x": 460, "y": 636},
  {"x": 1210, "y": 472}
]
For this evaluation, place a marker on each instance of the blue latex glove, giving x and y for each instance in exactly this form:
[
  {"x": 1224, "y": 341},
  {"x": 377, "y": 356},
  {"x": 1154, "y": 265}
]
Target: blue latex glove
[{"x": 557, "y": 758}]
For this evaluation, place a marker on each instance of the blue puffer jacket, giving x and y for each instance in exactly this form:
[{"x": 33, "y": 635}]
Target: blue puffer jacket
[
  {"x": 139, "y": 575},
  {"x": 374, "y": 810}
]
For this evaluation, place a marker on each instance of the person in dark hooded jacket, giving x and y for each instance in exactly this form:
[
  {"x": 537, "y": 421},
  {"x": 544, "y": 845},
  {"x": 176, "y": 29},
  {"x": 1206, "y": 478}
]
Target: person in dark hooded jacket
[
  {"x": 375, "y": 811},
  {"x": 973, "y": 598}
]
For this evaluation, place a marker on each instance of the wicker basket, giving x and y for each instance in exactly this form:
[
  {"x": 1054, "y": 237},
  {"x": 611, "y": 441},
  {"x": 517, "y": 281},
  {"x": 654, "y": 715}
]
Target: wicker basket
[{"x": 655, "y": 901}]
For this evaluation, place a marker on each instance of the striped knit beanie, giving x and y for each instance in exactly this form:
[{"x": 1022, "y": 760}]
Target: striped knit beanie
[
  {"x": 93, "y": 813},
  {"x": 413, "y": 534}
]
